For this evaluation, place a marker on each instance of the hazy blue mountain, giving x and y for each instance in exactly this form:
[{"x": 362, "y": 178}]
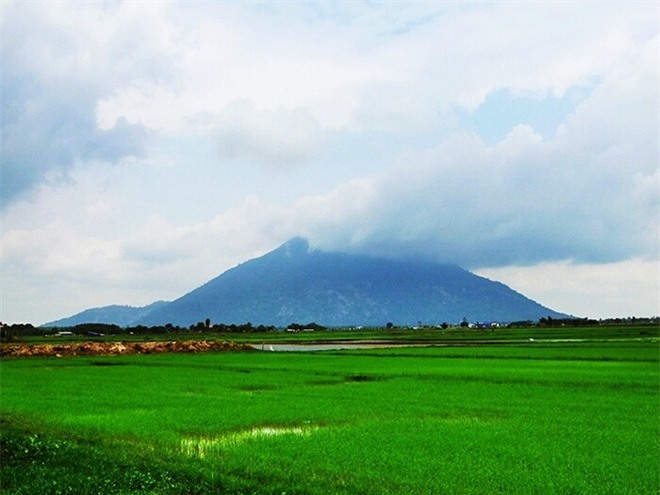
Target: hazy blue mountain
[
  {"x": 119, "y": 315},
  {"x": 296, "y": 284}
]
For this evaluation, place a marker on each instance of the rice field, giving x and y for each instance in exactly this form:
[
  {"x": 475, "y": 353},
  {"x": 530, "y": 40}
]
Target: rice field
[{"x": 546, "y": 418}]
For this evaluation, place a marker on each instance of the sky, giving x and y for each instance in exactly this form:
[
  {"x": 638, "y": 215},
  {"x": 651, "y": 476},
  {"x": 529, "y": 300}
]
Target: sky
[{"x": 149, "y": 146}]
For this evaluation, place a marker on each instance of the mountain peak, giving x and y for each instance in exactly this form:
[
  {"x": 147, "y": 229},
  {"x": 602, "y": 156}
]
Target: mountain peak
[{"x": 297, "y": 246}]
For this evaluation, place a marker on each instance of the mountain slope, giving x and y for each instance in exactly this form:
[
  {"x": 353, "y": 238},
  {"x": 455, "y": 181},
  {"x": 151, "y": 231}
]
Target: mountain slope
[
  {"x": 118, "y": 315},
  {"x": 295, "y": 284}
]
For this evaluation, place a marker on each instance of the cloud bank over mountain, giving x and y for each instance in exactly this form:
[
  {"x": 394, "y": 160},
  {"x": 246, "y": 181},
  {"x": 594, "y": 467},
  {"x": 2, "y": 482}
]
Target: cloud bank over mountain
[{"x": 147, "y": 146}]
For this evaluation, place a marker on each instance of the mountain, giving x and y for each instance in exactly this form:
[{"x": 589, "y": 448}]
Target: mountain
[
  {"x": 119, "y": 315},
  {"x": 296, "y": 284}
]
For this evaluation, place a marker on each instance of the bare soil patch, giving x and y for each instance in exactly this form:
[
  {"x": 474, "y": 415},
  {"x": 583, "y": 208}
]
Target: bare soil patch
[{"x": 118, "y": 348}]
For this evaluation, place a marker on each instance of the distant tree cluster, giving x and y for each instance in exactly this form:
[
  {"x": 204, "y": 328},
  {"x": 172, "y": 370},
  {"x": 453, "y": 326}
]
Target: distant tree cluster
[
  {"x": 18, "y": 331},
  {"x": 11, "y": 333},
  {"x": 297, "y": 327},
  {"x": 566, "y": 322},
  {"x": 590, "y": 322},
  {"x": 244, "y": 328}
]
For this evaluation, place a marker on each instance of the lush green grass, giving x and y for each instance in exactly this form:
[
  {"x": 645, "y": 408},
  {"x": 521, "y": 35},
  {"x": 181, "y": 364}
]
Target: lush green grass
[{"x": 532, "y": 418}]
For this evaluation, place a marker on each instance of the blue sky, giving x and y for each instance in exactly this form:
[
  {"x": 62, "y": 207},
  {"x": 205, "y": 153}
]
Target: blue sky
[
  {"x": 149, "y": 146},
  {"x": 502, "y": 110}
]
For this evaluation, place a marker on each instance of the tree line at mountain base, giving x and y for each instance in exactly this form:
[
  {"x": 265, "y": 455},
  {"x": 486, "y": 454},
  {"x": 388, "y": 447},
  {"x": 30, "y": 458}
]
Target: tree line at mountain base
[{"x": 17, "y": 331}]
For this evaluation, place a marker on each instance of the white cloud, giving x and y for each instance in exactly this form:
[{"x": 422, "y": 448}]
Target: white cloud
[
  {"x": 272, "y": 138},
  {"x": 622, "y": 289},
  {"x": 125, "y": 122},
  {"x": 57, "y": 62},
  {"x": 590, "y": 194}
]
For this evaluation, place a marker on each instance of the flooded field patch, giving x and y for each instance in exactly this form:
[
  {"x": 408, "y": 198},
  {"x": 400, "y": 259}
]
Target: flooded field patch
[{"x": 204, "y": 446}]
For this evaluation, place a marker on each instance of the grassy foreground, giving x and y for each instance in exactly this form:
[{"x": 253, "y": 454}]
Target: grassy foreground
[{"x": 521, "y": 418}]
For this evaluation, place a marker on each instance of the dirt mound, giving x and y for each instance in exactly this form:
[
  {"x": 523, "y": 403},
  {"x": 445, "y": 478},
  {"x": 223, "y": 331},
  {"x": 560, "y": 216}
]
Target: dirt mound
[{"x": 119, "y": 348}]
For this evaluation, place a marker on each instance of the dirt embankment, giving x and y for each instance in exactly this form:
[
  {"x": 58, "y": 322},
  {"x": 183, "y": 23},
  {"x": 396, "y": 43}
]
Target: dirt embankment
[{"x": 118, "y": 348}]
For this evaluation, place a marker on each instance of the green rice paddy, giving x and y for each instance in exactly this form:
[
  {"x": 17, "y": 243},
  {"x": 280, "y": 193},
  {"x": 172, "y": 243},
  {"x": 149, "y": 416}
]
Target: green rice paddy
[{"x": 546, "y": 418}]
